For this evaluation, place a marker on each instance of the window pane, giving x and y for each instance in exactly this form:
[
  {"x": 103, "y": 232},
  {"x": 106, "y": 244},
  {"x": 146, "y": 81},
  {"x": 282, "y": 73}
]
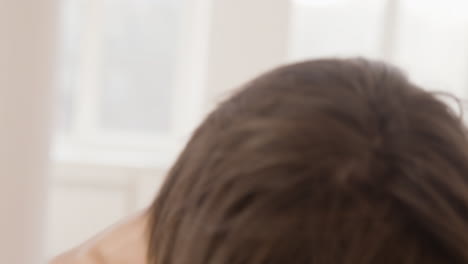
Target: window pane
[
  {"x": 68, "y": 63},
  {"x": 139, "y": 52},
  {"x": 432, "y": 44},
  {"x": 427, "y": 38},
  {"x": 323, "y": 28}
]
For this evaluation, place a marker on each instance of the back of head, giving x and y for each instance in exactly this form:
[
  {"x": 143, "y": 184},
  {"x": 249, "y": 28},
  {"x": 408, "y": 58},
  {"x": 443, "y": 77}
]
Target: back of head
[{"x": 323, "y": 162}]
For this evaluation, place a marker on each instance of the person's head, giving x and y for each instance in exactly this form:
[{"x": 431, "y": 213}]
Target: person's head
[{"x": 320, "y": 162}]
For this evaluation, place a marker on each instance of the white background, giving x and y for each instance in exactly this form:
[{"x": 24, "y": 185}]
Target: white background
[{"x": 136, "y": 76}]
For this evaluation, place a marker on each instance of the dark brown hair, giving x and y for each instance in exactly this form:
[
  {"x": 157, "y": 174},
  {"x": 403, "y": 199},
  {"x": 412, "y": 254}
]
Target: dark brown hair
[{"x": 322, "y": 162}]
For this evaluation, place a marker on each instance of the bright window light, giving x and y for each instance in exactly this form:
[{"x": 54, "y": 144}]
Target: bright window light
[{"x": 317, "y": 2}]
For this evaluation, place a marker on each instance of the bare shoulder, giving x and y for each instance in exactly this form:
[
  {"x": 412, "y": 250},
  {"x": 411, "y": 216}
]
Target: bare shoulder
[
  {"x": 123, "y": 243},
  {"x": 77, "y": 256}
]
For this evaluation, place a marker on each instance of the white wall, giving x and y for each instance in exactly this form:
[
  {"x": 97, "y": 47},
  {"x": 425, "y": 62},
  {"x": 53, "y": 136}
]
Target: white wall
[
  {"x": 86, "y": 198},
  {"x": 27, "y": 41},
  {"x": 246, "y": 38}
]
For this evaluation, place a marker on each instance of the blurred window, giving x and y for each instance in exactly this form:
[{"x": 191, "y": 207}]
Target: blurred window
[
  {"x": 117, "y": 70},
  {"x": 426, "y": 38}
]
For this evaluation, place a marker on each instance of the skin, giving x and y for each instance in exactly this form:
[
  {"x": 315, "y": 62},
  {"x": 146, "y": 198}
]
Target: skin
[{"x": 123, "y": 243}]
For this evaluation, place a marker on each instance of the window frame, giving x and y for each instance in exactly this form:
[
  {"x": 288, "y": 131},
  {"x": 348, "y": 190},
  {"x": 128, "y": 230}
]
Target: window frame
[{"x": 86, "y": 141}]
